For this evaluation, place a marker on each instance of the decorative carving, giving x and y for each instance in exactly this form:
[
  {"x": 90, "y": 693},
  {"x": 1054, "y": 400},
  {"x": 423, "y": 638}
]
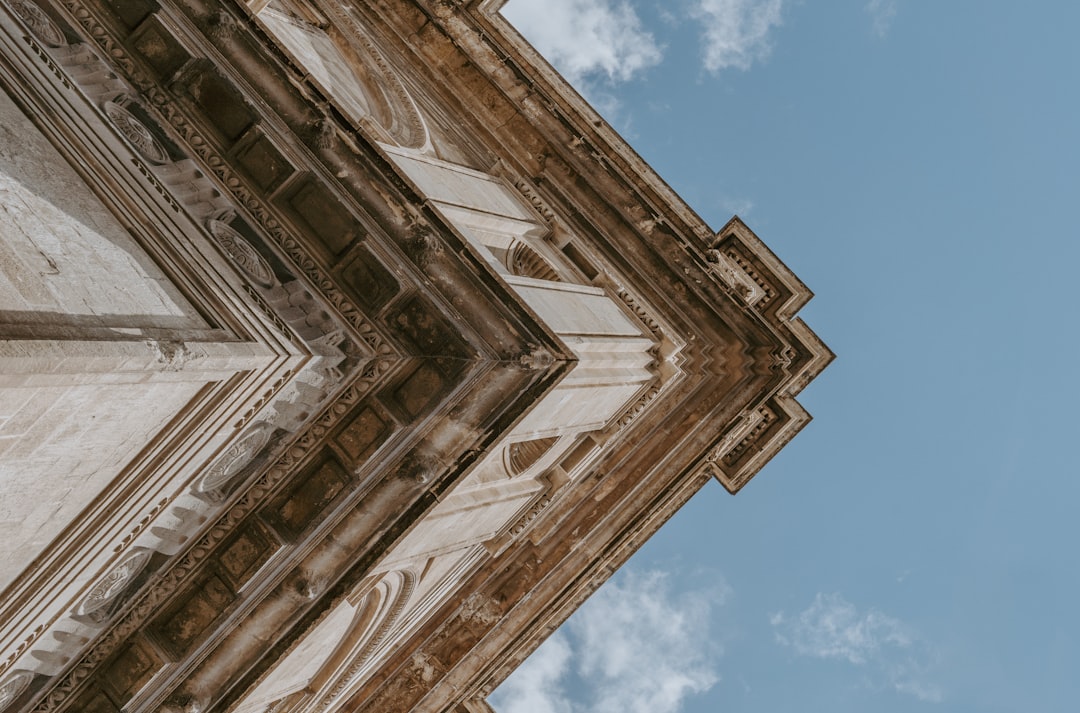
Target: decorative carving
[
  {"x": 739, "y": 276},
  {"x": 43, "y": 55},
  {"x": 109, "y": 587},
  {"x": 420, "y": 468},
  {"x": 480, "y": 608},
  {"x": 267, "y": 395},
  {"x": 534, "y": 512},
  {"x": 638, "y": 407},
  {"x": 638, "y": 310},
  {"x": 239, "y": 250},
  {"x": 172, "y": 354},
  {"x": 26, "y": 643},
  {"x": 135, "y": 133},
  {"x": 13, "y": 687},
  {"x": 181, "y": 567},
  {"x": 535, "y": 200},
  {"x": 158, "y": 186},
  {"x": 405, "y": 124},
  {"x": 397, "y": 597},
  {"x": 742, "y": 436},
  {"x": 161, "y": 102},
  {"x": 523, "y": 261},
  {"x": 235, "y": 457},
  {"x": 277, "y": 321},
  {"x": 146, "y": 520},
  {"x": 221, "y": 26},
  {"x": 39, "y": 23},
  {"x": 322, "y": 133},
  {"x": 427, "y": 245}
]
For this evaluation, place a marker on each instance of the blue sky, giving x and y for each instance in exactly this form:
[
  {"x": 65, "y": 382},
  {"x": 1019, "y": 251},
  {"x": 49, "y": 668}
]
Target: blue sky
[{"x": 916, "y": 163}]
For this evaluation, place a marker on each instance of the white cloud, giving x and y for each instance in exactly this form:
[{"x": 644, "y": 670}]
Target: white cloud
[
  {"x": 881, "y": 14},
  {"x": 921, "y": 690},
  {"x": 587, "y": 39},
  {"x": 635, "y": 647},
  {"x": 736, "y": 205},
  {"x": 645, "y": 648},
  {"x": 833, "y": 628},
  {"x": 736, "y": 32},
  {"x": 535, "y": 686}
]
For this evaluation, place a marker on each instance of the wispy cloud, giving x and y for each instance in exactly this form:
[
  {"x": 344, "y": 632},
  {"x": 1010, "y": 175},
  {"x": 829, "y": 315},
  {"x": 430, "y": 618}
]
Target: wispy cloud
[
  {"x": 635, "y": 647},
  {"x": 536, "y": 686},
  {"x": 882, "y": 13},
  {"x": 833, "y": 628},
  {"x": 736, "y": 205},
  {"x": 736, "y": 32},
  {"x": 587, "y": 39}
]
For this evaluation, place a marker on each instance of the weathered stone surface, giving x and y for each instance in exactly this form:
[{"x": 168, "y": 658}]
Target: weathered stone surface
[{"x": 343, "y": 352}]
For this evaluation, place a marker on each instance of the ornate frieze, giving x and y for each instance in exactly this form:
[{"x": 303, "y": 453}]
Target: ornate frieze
[
  {"x": 736, "y": 273},
  {"x": 270, "y": 228}
]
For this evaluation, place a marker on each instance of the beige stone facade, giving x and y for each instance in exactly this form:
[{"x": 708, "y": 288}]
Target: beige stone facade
[{"x": 343, "y": 352}]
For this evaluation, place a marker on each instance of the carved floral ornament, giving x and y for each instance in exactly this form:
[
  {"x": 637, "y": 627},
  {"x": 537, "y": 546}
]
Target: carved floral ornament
[
  {"x": 236, "y": 456},
  {"x": 113, "y": 584},
  {"x": 135, "y": 133},
  {"x": 250, "y": 262},
  {"x": 39, "y": 23},
  {"x": 13, "y": 687}
]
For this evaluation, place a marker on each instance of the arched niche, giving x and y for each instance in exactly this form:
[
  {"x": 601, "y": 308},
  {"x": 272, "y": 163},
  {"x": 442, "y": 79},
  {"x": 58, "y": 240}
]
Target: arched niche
[
  {"x": 341, "y": 59},
  {"x": 339, "y": 648}
]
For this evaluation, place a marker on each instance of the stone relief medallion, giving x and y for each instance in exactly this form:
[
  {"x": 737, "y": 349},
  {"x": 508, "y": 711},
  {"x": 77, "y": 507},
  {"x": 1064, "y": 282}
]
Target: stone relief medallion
[
  {"x": 235, "y": 457},
  {"x": 39, "y": 23},
  {"x": 135, "y": 133},
  {"x": 14, "y": 687},
  {"x": 239, "y": 250},
  {"x": 113, "y": 584}
]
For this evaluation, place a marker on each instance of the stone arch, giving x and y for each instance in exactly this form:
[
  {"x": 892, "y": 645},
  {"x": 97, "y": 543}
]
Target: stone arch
[
  {"x": 337, "y": 649},
  {"x": 349, "y": 68}
]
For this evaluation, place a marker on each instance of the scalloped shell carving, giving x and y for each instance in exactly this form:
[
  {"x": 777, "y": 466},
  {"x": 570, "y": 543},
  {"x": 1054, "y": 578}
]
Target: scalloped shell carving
[{"x": 523, "y": 261}]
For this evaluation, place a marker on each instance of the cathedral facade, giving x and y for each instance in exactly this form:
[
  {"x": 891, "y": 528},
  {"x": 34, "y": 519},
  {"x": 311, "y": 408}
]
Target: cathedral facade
[{"x": 344, "y": 351}]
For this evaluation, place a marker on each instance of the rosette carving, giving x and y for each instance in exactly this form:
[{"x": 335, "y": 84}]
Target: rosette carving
[
  {"x": 235, "y": 457},
  {"x": 111, "y": 586},
  {"x": 39, "y": 23},
  {"x": 135, "y": 133},
  {"x": 239, "y": 250}
]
